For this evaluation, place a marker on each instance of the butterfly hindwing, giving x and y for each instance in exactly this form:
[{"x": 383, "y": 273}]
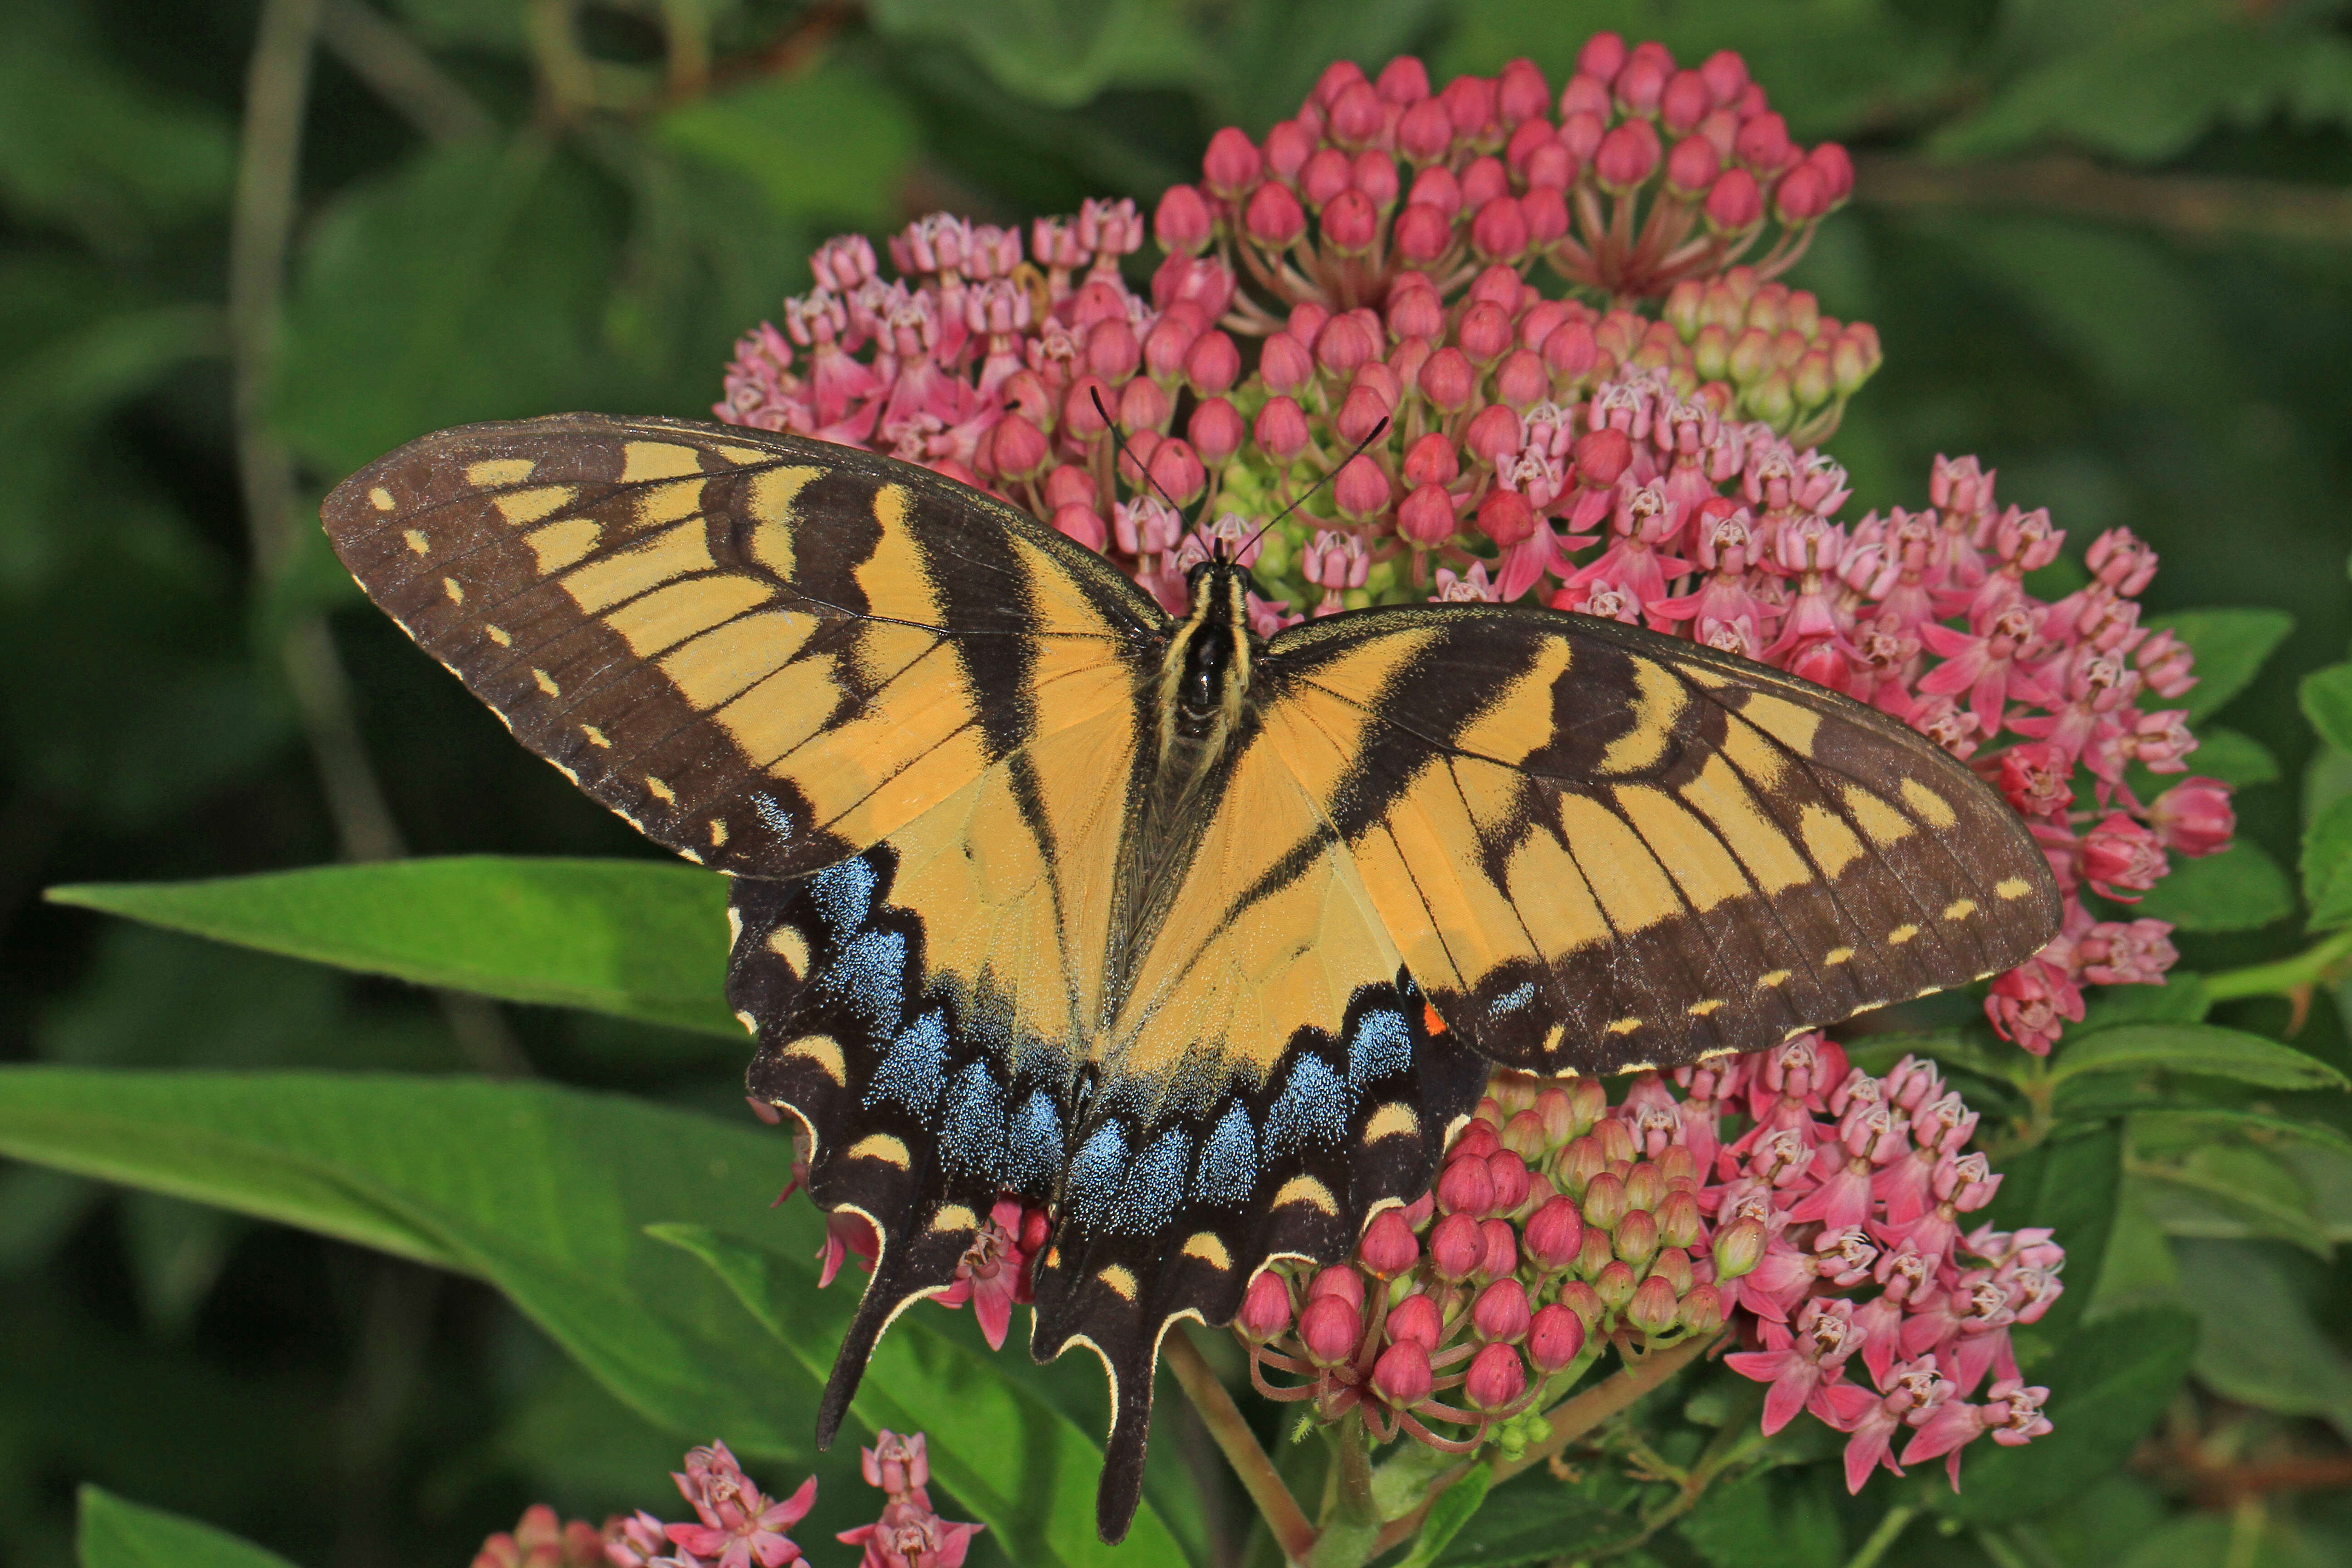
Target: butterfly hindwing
[
  {"x": 1600, "y": 849},
  {"x": 766, "y": 653}
]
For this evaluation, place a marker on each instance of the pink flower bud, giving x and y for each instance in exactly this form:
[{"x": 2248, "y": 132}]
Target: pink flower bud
[
  {"x": 1426, "y": 517},
  {"x": 1182, "y": 221},
  {"x": 1500, "y": 232},
  {"x": 1415, "y": 313},
  {"x": 1654, "y": 1310},
  {"x": 1455, "y": 1247},
  {"x": 1217, "y": 431},
  {"x": 1352, "y": 223},
  {"x": 1581, "y": 135},
  {"x": 1285, "y": 365},
  {"x": 1511, "y": 1180},
  {"x": 1801, "y": 195},
  {"x": 2119, "y": 857},
  {"x": 1423, "y": 234},
  {"x": 1763, "y": 144},
  {"x": 1483, "y": 181},
  {"x": 1164, "y": 345},
  {"x": 1635, "y": 1238},
  {"x": 1738, "y": 1249},
  {"x": 1521, "y": 380},
  {"x": 1555, "y": 1339},
  {"x": 1330, "y": 1328},
  {"x": 1069, "y": 484},
  {"x": 1016, "y": 448},
  {"x": 1389, "y": 1248},
  {"x": 1570, "y": 352},
  {"x": 1470, "y": 101},
  {"x": 1702, "y": 1310},
  {"x": 1425, "y": 132},
  {"x": 1640, "y": 86},
  {"x": 1835, "y": 168},
  {"x": 1501, "y": 1310},
  {"x": 1274, "y": 217},
  {"x": 1727, "y": 76},
  {"x": 1340, "y": 1281},
  {"x": 2194, "y": 816},
  {"x": 1585, "y": 95},
  {"x": 1466, "y": 1186},
  {"x": 1401, "y": 1376},
  {"x": 1211, "y": 363},
  {"x": 1288, "y": 147},
  {"x": 1627, "y": 157},
  {"x": 1678, "y": 1219},
  {"x": 1734, "y": 203},
  {"x": 1265, "y": 1309},
  {"x": 1416, "y": 1320},
  {"x": 1143, "y": 405},
  {"x": 1082, "y": 524},
  {"x": 1438, "y": 188},
  {"x": 1449, "y": 381},
  {"x": 1691, "y": 167},
  {"x": 1083, "y": 405},
  {"x": 1176, "y": 471},
  {"x": 1361, "y": 490},
  {"x": 1358, "y": 116},
  {"x": 2166, "y": 663},
  {"x": 1232, "y": 164},
  {"x": 1281, "y": 431},
  {"x": 1326, "y": 174},
  {"x": 1554, "y": 1234},
  {"x": 1493, "y": 433},
  {"x": 1684, "y": 101},
  {"x": 1520, "y": 92},
  {"x": 1644, "y": 1186},
  {"x": 1505, "y": 518},
  {"x": 1604, "y": 1201},
  {"x": 1112, "y": 351},
  {"x": 1374, "y": 173},
  {"x": 1361, "y": 414},
  {"x": 1531, "y": 135},
  {"x": 1343, "y": 344},
  {"x": 1501, "y": 1248},
  {"x": 1602, "y": 56},
  {"x": 1497, "y": 1377},
  {"x": 1614, "y": 1283}
]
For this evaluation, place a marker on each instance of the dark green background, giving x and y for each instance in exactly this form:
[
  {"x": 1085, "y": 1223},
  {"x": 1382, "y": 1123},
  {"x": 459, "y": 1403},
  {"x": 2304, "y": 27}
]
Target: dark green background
[{"x": 2107, "y": 245}]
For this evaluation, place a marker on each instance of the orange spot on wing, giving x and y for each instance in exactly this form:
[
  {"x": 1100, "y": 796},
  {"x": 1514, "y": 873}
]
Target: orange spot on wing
[{"x": 1429, "y": 1017}]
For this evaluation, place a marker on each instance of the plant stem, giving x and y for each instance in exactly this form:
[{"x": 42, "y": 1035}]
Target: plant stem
[
  {"x": 1283, "y": 1517},
  {"x": 1871, "y": 1550},
  {"x": 2313, "y": 966}
]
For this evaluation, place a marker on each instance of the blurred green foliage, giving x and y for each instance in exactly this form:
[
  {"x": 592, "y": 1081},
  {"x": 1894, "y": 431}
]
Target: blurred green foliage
[{"x": 2107, "y": 243}]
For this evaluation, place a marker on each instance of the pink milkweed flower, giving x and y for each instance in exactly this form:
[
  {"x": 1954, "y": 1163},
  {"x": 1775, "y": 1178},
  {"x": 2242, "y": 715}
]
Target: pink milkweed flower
[
  {"x": 1469, "y": 587},
  {"x": 2012, "y": 1415},
  {"x": 1797, "y": 1366},
  {"x": 1992, "y": 663},
  {"x": 2194, "y": 816},
  {"x": 740, "y": 1525},
  {"x": 2121, "y": 860},
  {"x": 2137, "y": 953},
  {"x": 1911, "y": 1393}
]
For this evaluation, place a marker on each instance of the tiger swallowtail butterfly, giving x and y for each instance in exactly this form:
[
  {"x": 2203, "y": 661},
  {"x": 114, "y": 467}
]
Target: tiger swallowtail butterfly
[{"x": 1206, "y": 941}]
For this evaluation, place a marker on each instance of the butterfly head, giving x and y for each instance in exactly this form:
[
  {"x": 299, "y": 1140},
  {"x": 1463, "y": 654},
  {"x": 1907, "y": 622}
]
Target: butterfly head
[{"x": 1209, "y": 659}]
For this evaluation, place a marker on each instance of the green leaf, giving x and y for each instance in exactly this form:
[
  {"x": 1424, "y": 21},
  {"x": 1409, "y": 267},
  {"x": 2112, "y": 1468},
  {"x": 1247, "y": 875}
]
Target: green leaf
[
  {"x": 466, "y": 285},
  {"x": 2107, "y": 1383},
  {"x": 2328, "y": 866},
  {"x": 2194, "y": 1123},
  {"x": 1024, "y": 1468},
  {"x": 831, "y": 143},
  {"x": 2230, "y": 645},
  {"x": 2230, "y": 755},
  {"x": 2238, "y": 889},
  {"x": 2203, "y": 1048},
  {"x": 551, "y": 1195},
  {"x": 2229, "y": 1192},
  {"x": 1772, "y": 1520},
  {"x": 641, "y": 939},
  {"x": 118, "y": 1535},
  {"x": 1060, "y": 52},
  {"x": 2261, "y": 1345},
  {"x": 2069, "y": 1182},
  {"x": 1452, "y": 1508},
  {"x": 1533, "y": 1519},
  {"x": 2327, "y": 699}
]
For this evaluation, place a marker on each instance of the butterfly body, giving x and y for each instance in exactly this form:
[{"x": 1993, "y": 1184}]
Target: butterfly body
[{"x": 1206, "y": 941}]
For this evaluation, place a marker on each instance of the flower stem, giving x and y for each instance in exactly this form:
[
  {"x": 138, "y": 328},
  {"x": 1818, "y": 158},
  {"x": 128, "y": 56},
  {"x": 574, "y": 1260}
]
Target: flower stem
[
  {"x": 1871, "y": 1550},
  {"x": 1283, "y": 1517},
  {"x": 2313, "y": 966}
]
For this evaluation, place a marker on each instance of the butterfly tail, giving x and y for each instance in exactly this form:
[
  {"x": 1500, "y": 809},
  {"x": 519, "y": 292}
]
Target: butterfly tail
[
  {"x": 909, "y": 1269},
  {"x": 1121, "y": 1490}
]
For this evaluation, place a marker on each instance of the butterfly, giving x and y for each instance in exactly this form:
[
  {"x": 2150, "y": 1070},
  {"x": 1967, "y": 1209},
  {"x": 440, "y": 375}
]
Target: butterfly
[{"x": 1207, "y": 942}]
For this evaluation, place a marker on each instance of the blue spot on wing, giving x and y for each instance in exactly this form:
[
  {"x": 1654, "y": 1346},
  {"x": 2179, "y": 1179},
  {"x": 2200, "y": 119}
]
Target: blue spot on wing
[
  {"x": 870, "y": 978},
  {"x": 912, "y": 1071},
  {"x": 1229, "y": 1164},
  {"x": 1153, "y": 1184},
  {"x": 1095, "y": 1172},
  {"x": 972, "y": 1126},
  {"x": 1312, "y": 1109},
  {"x": 1382, "y": 1047},
  {"x": 1511, "y": 1001},
  {"x": 1033, "y": 1145},
  {"x": 843, "y": 896}
]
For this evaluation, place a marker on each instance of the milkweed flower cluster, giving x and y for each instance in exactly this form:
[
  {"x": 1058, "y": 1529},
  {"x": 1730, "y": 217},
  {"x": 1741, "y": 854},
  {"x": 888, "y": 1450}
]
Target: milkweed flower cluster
[
  {"x": 1827, "y": 1230},
  {"x": 736, "y": 1525},
  {"x": 1344, "y": 321}
]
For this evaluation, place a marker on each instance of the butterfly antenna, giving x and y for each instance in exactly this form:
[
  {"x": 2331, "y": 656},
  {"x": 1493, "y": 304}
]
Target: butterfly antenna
[
  {"x": 1120, "y": 435},
  {"x": 1308, "y": 494}
]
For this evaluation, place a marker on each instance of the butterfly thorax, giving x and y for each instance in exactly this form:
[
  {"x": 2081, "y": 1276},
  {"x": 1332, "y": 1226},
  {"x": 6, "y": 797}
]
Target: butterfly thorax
[{"x": 1205, "y": 673}]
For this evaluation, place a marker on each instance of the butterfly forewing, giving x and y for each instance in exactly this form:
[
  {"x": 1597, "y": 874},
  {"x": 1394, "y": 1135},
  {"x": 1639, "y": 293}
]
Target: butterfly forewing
[
  {"x": 1600, "y": 849},
  {"x": 766, "y": 653}
]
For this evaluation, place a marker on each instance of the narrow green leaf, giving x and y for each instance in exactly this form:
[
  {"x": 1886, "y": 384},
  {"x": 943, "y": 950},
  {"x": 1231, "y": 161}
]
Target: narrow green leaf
[
  {"x": 2194, "y": 1123},
  {"x": 2327, "y": 699},
  {"x": 640, "y": 939},
  {"x": 2070, "y": 1182},
  {"x": 832, "y": 143},
  {"x": 2204, "y": 1048},
  {"x": 1454, "y": 1508},
  {"x": 2238, "y": 889},
  {"x": 2231, "y": 1191},
  {"x": 113, "y": 1533},
  {"x": 2261, "y": 1345},
  {"x": 2230, "y": 645},
  {"x": 1533, "y": 1519},
  {"x": 2328, "y": 866},
  {"x": 2107, "y": 1383},
  {"x": 1060, "y": 52},
  {"x": 1023, "y": 1469}
]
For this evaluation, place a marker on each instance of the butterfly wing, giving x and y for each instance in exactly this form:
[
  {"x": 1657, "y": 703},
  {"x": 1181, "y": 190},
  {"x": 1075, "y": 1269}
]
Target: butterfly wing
[
  {"x": 1598, "y": 849},
  {"x": 766, "y": 653}
]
